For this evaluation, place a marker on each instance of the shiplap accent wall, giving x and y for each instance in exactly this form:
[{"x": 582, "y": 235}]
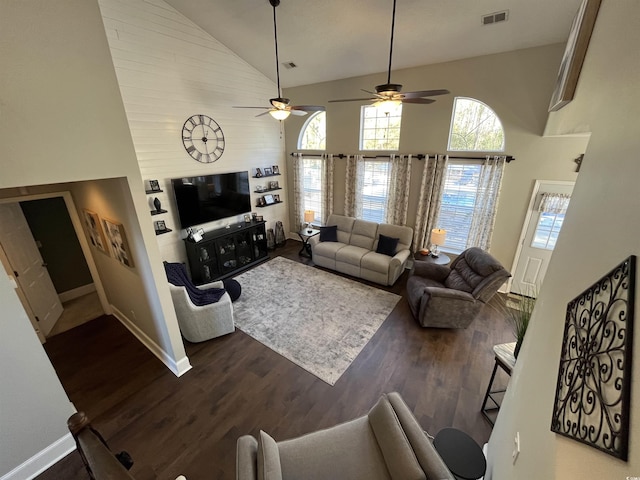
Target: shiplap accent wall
[{"x": 168, "y": 69}]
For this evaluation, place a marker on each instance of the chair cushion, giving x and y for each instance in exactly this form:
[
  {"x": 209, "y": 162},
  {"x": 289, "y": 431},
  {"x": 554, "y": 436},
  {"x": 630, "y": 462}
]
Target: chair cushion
[
  {"x": 471, "y": 268},
  {"x": 268, "y": 458},
  {"x": 329, "y": 233},
  {"x": 177, "y": 275},
  {"x": 387, "y": 245}
]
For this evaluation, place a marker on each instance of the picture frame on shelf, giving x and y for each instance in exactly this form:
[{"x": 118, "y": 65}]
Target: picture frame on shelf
[
  {"x": 269, "y": 200},
  {"x": 276, "y": 170},
  {"x": 247, "y": 218},
  {"x": 261, "y": 202},
  {"x": 154, "y": 186},
  {"x": 259, "y": 188},
  {"x": 276, "y": 198},
  {"x": 274, "y": 185},
  {"x": 254, "y": 216},
  {"x": 258, "y": 173},
  {"x": 259, "y": 218},
  {"x": 160, "y": 225},
  {"x": 268, "y": 171}
]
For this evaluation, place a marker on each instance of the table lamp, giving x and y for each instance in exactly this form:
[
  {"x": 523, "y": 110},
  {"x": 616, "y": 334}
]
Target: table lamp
[
  {"x": 308, "y": 217},
  {"x": 438, "y": 236}
]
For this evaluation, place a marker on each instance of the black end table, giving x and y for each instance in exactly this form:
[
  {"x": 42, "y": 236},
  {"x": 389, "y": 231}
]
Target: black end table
[
  {"x": 462, "y": 455},
  {"x": 441, "y": 259},
  {"x": 305, "y": 235}
]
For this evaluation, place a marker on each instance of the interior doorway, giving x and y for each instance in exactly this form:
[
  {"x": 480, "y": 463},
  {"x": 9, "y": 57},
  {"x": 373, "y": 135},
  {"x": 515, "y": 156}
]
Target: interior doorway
[
  {"x": 72, "y": 308},
  {"x": 540, "y": 231}
]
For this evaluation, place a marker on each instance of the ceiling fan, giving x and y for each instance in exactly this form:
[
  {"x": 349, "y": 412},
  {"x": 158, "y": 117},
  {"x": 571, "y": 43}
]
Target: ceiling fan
[
  {"x": 389, "y": 94},
  {"x": 280, "y": 108}
]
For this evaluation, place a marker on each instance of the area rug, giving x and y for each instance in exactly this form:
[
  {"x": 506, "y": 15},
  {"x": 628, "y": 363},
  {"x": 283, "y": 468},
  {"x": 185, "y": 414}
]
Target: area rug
[{"x": 318, "y": 320}]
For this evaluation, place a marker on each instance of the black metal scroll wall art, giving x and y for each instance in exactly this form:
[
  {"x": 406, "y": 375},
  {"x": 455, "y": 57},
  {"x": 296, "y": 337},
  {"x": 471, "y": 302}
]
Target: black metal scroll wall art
[{"x": 594, "y": 379}]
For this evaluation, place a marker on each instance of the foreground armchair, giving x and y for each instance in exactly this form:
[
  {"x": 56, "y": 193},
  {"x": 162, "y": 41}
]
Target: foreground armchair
[
  {"x": 452, "y": 297},
  {"x": 203, "y": 312},
  {"x": 387, "y": 443}
]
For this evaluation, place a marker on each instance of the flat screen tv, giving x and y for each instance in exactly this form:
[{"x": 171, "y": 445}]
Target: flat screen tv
[{"x": 209, "y": 198}]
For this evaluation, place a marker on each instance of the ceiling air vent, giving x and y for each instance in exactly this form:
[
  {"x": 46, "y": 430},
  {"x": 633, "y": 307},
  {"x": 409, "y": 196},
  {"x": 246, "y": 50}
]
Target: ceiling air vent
[
  {"x": 495, "y": 17},
  {"x": 289, "y": 65}
]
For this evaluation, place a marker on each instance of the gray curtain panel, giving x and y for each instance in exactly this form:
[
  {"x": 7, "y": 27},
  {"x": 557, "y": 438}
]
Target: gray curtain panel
[
  {"x": 327, "y": 186},
  {"x": 433, "y": 176},
  {"x": 399, "y": 182},
  {"x": 484, "y": 213},
  {"x": 298, "y": 191},
  {"x": 353, "y": 186}
]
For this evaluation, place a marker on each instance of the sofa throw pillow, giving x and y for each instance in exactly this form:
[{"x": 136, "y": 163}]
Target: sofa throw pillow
[
  {"x": 329, "y": 233},
  {"x": 387, "y": 245},
  {"x": 268, "y": 458}
]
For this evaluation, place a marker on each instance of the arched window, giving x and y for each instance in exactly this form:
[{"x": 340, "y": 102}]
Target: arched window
[
  {"x": 313, "y": 134},
  {"x": 474, "y": 127}
]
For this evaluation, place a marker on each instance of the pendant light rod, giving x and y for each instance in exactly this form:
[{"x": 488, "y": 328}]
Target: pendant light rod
[
  {"x": 275, "y": 36},
  {"x": 393, "y": 23}
]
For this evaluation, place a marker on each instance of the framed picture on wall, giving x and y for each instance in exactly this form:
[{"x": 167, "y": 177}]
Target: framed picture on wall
[
  {"x": 117, "y": 240},
  {"x": 94, "y": 229},
  {"x": 574, "y": 54}
]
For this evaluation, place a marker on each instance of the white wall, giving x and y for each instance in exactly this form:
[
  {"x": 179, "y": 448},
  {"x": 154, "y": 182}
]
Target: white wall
[
  {"x": 517, "y": 85},
  {"x": 169, "y": 69},
  {"x": 33, "y": 406},
  {"x": 601, "y": 229}
]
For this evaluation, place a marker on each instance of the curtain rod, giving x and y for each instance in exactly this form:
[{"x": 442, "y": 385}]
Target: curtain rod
[{"x": 419, "y": 156}]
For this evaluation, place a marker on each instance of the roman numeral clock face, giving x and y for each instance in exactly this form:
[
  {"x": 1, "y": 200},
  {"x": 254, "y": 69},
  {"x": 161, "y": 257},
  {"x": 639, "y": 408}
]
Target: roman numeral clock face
[{"x": 203, "y": 138}]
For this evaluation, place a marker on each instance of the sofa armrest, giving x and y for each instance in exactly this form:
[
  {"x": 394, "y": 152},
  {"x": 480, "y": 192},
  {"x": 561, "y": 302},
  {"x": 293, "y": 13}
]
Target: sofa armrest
[
  {"x": 431, "y": 270},
  {"x": 449, "y": 294},
  {"x": 429, "y": 459},
  {"x": 207, "y": 286},
  {"x": 247, "y": 458}
]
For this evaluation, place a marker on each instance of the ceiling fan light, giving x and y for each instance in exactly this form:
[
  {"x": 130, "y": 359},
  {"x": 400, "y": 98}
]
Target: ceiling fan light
[
  {"x": 279, "y": 114},
  {"x": 386, "y": 106}
]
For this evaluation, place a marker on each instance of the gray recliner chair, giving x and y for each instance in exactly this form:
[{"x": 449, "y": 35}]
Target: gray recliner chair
[
  {"x": 452, "y": 297},
  {"x": 386, "y": 444}
]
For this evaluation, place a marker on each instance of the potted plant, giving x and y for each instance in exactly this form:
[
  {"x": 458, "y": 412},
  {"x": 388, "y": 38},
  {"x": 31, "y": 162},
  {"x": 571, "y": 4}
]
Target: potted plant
[{"x": 519, "y": 315}]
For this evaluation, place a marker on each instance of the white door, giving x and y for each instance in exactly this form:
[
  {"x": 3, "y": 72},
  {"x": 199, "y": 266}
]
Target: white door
[
  {"x": 30, "y": 272},
  {"x": 538, "y": 239}
]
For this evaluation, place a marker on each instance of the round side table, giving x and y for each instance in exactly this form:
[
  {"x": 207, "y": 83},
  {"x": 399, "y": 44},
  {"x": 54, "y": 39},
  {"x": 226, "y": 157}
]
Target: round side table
[
  {"x": 441, "y": 259},
  {"x": 462, "y": 455}
]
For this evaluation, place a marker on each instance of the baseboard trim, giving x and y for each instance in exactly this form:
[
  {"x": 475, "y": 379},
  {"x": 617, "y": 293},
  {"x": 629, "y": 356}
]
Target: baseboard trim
[
  {"x": 42, "y": 460},
  {"x": 179, "y": 367},
  {"x": 77, "y": 292}
]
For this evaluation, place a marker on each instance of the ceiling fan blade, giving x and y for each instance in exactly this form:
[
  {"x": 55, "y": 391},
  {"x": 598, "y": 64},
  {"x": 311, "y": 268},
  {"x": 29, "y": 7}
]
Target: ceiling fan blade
[
  {"x": 264, "y": 108},
  {"x": 418, "y": 100},
  {"x": 297, "y": 113},
  {"x": 354, "y": 100},
  {"x": 308, "y": 108},
  {"x": 425, "y": 93},
  {"x": 263, "y": 113}
]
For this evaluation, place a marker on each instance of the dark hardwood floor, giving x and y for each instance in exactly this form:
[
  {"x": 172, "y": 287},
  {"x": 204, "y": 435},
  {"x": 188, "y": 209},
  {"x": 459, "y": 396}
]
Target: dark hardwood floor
[{"x": 189, "y": 425}]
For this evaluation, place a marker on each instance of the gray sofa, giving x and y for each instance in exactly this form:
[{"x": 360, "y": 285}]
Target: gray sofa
[
  {"x": 451, "y": 297},
  {"x": 387, "y": 443},
  {"x": 355, "y": 251}
]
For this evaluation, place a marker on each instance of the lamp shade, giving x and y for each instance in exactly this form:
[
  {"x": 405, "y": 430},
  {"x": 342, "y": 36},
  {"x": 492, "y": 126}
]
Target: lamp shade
[
  {"x": 279, "y": 114},
  {"x": 309, "y": 215},
  {"x": 438, "y": 236}
]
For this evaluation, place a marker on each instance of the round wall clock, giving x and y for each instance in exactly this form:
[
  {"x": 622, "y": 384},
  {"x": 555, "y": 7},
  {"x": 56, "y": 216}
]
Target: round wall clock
[{"x": 203, "y": 138}]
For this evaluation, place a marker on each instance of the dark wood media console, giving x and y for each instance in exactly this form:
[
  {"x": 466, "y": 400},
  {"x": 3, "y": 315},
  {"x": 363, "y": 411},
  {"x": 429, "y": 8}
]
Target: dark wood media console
[{"x": 227, "y": 251}]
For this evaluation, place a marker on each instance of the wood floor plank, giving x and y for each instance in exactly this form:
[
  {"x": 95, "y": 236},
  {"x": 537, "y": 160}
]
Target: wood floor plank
[{"x": 189, "y": 425}]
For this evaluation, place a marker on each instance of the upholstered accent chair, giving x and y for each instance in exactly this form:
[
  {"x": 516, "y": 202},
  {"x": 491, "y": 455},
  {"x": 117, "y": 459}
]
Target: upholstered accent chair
[
  {"x": 387, "y": 443},
  {"x": 203, "y": 312},
  {"x": 452, "y": 297}
]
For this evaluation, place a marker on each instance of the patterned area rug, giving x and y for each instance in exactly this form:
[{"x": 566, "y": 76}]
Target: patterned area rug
[{"x": 318, "y": 320}]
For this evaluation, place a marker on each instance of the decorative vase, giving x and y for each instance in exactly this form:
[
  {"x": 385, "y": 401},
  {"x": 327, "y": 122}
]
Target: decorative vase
[{"x": 157, "y": 204}]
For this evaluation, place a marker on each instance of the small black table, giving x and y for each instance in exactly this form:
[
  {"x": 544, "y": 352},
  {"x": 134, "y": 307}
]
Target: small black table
[
  {"x": 460, "y": 453},
  {"x": 441, "y": 259},
  {"x": 305, "y": 235}
]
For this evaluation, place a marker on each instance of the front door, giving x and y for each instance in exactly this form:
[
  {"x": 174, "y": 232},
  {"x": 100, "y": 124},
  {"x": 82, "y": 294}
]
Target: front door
[
  {"x": 539, "y": 235},
  {"x": 30, "y": 271}
]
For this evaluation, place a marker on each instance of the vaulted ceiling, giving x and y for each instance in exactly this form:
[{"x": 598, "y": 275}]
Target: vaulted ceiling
[{"x": 335, "y": 39}]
